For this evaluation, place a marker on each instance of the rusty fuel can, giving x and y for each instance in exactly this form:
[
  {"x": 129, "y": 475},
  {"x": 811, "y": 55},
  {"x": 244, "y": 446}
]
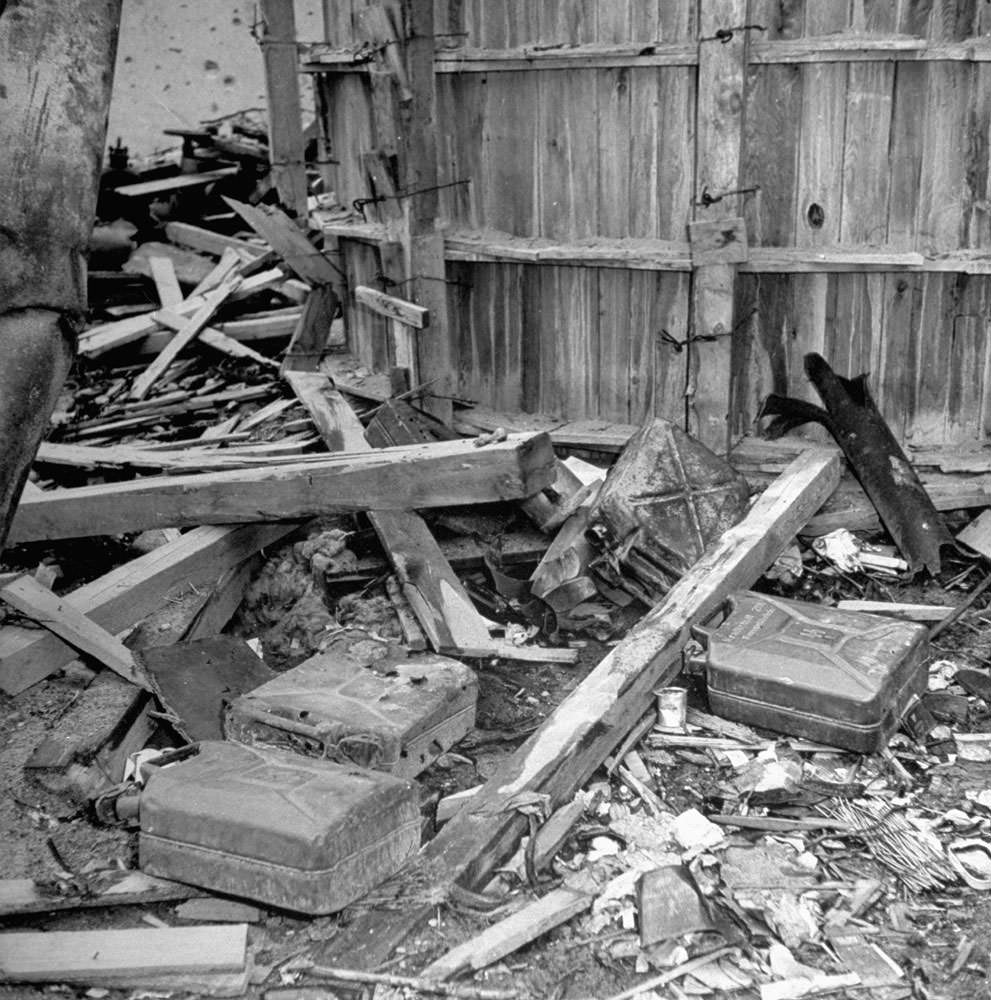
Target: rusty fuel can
[
  {"x": 666, "y": 498},
  {"x": 395, "y": 713},
  {"x": 839, "y": 677},
  {"x": 304, "y": 835}
]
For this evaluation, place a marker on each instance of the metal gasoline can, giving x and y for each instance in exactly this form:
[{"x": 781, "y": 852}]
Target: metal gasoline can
[
  {"x": 299, "y": 834},
  {"x": 838, "y": 677},
  {"x": 394, "y": 714}
]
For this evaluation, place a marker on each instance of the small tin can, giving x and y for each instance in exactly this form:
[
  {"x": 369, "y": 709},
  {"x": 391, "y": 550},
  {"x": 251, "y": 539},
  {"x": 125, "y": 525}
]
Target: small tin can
[{"x": 672, "y": 707}]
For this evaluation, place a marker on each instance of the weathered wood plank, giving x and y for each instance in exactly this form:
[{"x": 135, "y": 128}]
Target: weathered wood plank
[
  {"x": 166, "y": 185},
  {"x": 166, "y": 283},
  {"x": 122, "y": 597},
  {"x": 62, "y": 618},
  {"x": 434, "y": 475},
  {"x": 288, "y": 241},
  {"x": 277, "y": 37},
  {"x": 334, "y": 418},
  {"x": 721, "y": 98},
  {"x": 408, "y": 313},
  {"x": 594, "y": 718},
  {"x": 106, "y": 955},
  {"x": 22, "y": 896},
  {"x": 511, "y": 933}
]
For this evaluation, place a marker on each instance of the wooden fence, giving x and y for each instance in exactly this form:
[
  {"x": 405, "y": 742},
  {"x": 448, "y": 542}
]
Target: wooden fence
[{"x": 599, "y": 263}]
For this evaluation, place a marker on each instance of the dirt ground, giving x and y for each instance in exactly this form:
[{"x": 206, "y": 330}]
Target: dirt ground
[{"x": 45, "y": 836}]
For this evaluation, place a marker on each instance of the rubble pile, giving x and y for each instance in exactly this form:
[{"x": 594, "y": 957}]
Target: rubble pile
[{"x": 732, "y": 743}]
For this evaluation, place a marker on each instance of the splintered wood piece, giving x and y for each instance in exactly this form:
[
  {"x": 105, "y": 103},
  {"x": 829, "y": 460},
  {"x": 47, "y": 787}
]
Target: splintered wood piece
[
  {"x": 105, "y": 337},
  {"x": 512, "y": 933},
  {"x": 413, "y": 635},
  {"x": 19, "y": 896},
  {"x": 427, "y": 475},
  {"x": 166, "y": 283},
  {"x": 216, "y": 339},
  {"x": 229, "y": 261},
  {"x": 115, "y": 955},
  {"x": 429, "y": 585},
  {"x": 311, "y": 331},
  {"x": 331, "y": 413},
  {"x": 188, "y": 332},
  {"x": 121, "y": 598},
  {"x": 28, "y": 596},
  {"x": 581, "y": 732}
]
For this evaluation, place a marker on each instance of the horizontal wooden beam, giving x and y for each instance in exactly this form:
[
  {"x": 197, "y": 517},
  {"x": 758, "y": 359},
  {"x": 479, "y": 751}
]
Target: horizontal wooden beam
[
  {"x": 321, "y": 59},
  {"x": 866, "y": 48},
  {"x": 565, "y": 57},
  {"x": 673, "y": 255},
  {"x": 439, "y": 474},
  {"x": 840, "y": 48}
]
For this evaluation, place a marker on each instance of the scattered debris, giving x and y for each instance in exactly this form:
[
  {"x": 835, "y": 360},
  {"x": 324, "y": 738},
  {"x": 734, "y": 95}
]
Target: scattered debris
[{"x": 762, "y": 825}]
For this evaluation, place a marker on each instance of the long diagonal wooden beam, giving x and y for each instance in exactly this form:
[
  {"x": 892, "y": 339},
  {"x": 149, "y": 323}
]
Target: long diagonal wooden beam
[{"x": 576, "y": 738}]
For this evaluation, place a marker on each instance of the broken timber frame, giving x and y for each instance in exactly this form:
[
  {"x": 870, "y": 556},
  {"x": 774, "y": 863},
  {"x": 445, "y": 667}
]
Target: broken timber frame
[
  {"x": 426, "y": 475},
  {"x": 58, "y": 60},
  {"x": 576, "y": 738}
]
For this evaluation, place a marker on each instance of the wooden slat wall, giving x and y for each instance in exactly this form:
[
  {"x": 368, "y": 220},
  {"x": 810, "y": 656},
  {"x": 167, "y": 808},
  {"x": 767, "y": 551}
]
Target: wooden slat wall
[
  {"x": 896, "y": 156},
  {"x": 893, "y": 154}
]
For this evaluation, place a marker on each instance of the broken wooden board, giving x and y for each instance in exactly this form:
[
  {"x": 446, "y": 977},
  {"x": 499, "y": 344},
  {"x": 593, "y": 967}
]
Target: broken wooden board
[
  {"x": 905, "y": 612},
  {"x": 166, "y": 283},
  {"x": 329, "y": 410},
  {"x": 183, "y": 337},
  {"x": 441, "y": 474},
  {"x": 512, "y": 933},
  {"x": 122, "y": 597},
  {"x": 586, "y": 435},
  {"x": 178, "y": 182},
  {"x": 577, "y": 737},
  {"x": 22, "y": 896},
  {"x": 105, "y": 337},
  {"x": 312, "y": 331},
  {"x": 71, "y": 625},
  {"x": 214, "y": 338},
  {"x": 196, "y": 680},
  {"x": 396, "y": 422},
  {"x": 429, "y": 585},
  {"x": 288, "y": 241},
  {"x": 108, "y": 956},
  {"x": 198, "y": 238},
  {"x": 101, "y": 713}
]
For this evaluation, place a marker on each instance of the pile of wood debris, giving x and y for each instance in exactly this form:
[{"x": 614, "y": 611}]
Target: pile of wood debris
[{"x": 254, "y": 487}]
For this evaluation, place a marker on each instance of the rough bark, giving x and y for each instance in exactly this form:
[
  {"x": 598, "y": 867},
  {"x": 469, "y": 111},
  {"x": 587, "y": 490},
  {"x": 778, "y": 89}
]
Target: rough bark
[{"x": 56, "y": 70}]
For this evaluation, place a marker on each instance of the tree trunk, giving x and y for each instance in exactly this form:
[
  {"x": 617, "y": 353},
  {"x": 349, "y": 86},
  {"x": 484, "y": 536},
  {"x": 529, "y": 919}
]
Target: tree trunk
[{"x": 57, "y": 59}]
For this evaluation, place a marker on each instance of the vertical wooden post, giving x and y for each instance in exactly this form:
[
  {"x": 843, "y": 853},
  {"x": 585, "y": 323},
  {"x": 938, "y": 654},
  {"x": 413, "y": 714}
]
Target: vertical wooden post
[
  {"x": 285, "y": 127},
  {"x": 423, "y": 245},
  {"x": 721, "y": 82},
  {"x": 58, "y": 59}
]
